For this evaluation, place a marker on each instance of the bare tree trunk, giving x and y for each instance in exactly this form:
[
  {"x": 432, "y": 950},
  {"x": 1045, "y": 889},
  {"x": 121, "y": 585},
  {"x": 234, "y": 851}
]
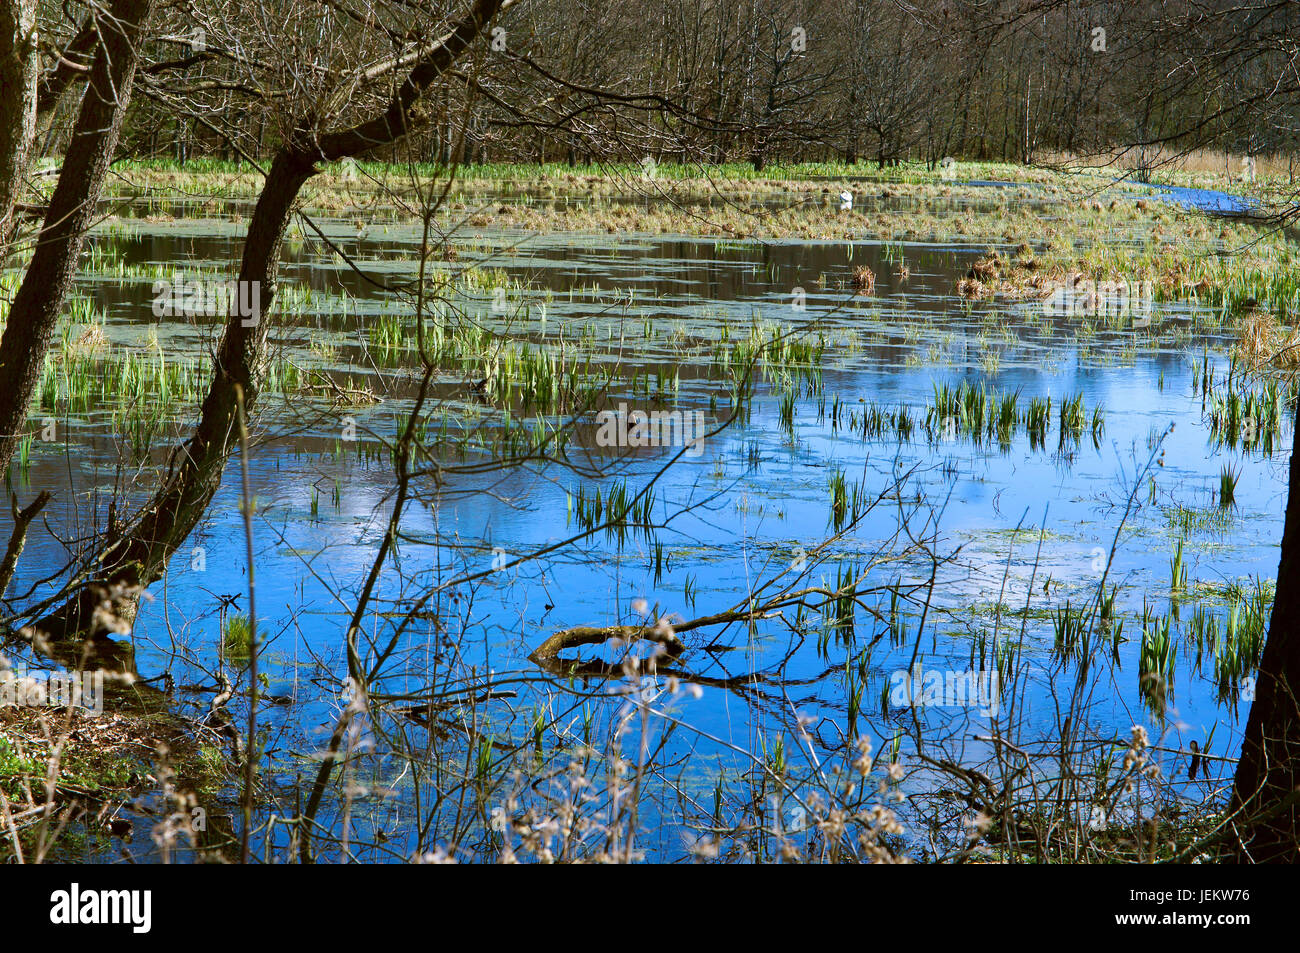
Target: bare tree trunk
[
  {"x": 74, "y": 61},
  {"x": 18, "y": 76},
  {"x": 140, "y": 555},
  {"x": 1266, "y": 787},
  {"x": 36, "y": 307}
]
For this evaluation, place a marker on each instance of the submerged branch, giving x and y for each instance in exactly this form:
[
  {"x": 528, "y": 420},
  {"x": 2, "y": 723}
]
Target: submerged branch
[
  {"x": 18, "y": 539},
  {"x": 599, "y": 634}
]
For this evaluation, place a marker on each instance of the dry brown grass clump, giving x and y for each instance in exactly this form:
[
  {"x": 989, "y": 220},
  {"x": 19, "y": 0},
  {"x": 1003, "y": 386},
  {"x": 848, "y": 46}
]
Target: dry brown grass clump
[
  {"x": 864, "y": 280},
  {"x": 986, "y": 269},
  {"x": 1264, "y": 344}
]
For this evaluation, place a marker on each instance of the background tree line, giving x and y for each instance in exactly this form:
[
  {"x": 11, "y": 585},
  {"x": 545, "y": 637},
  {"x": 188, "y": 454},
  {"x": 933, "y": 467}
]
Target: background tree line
[{"x": 739, "y": 80}]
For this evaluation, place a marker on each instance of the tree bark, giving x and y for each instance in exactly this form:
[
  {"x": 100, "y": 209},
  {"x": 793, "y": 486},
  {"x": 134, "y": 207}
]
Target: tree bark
[
  {"x": 73, "y": 62},
  {"x": 18, "y": 80},
  {"x": 39, "y": 300},
  {"x": 1268, "y": 773}
]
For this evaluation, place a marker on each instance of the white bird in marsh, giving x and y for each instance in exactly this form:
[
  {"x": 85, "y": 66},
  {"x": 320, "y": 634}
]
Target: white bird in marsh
[{"x": 846, "y": 200}]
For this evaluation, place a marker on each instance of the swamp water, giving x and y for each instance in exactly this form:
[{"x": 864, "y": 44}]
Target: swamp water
[{"x": 979, "y": 538}]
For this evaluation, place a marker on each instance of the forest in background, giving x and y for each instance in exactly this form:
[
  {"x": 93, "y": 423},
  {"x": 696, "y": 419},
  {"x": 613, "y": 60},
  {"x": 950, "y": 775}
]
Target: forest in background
[{"x": 711, "y": 81}]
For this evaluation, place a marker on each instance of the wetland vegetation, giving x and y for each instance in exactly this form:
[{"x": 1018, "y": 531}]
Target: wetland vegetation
[{"x": 393, "y": 487}]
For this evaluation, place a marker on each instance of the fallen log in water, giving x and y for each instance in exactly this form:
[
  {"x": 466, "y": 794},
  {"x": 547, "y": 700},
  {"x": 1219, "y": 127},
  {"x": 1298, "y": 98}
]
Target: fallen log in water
[
  {"x": 662, "y": 632},
  {"x": 599, "y": 634}
]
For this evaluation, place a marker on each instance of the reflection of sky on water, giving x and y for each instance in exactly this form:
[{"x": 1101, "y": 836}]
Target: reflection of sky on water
[{"x": 761, "y": 513}]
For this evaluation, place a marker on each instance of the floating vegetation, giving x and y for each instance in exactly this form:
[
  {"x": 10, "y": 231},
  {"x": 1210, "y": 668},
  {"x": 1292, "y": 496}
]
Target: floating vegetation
[
  {"x": 237, "y": 637},
  {"x": 977, "y": 413},
  {"x": 1038, "y": 420},
  {"x": 838, "y": 611},
  {"x": 897, "y": 625},
  {"x": 1185, "y": 520},
  {"x": 864, "y": 280},
  {"x": 1247, "y": 418},
  {"x": 849, "y": 501},
  {"x": 1106, "y": 605},
  {"x": 1071, "y": 629},
  {"x": 618, "y": 508},
  {"x": 787, "y": 405},
  {"x": 874, "y": 421},
  {"x": 1159, "y": 650},
  {"x": 1244, "y": 628},
  {"x": 1235, "y": 285},
  {"x": 1228, "y": 477},
  {"x": 1177, "y": 568}
]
